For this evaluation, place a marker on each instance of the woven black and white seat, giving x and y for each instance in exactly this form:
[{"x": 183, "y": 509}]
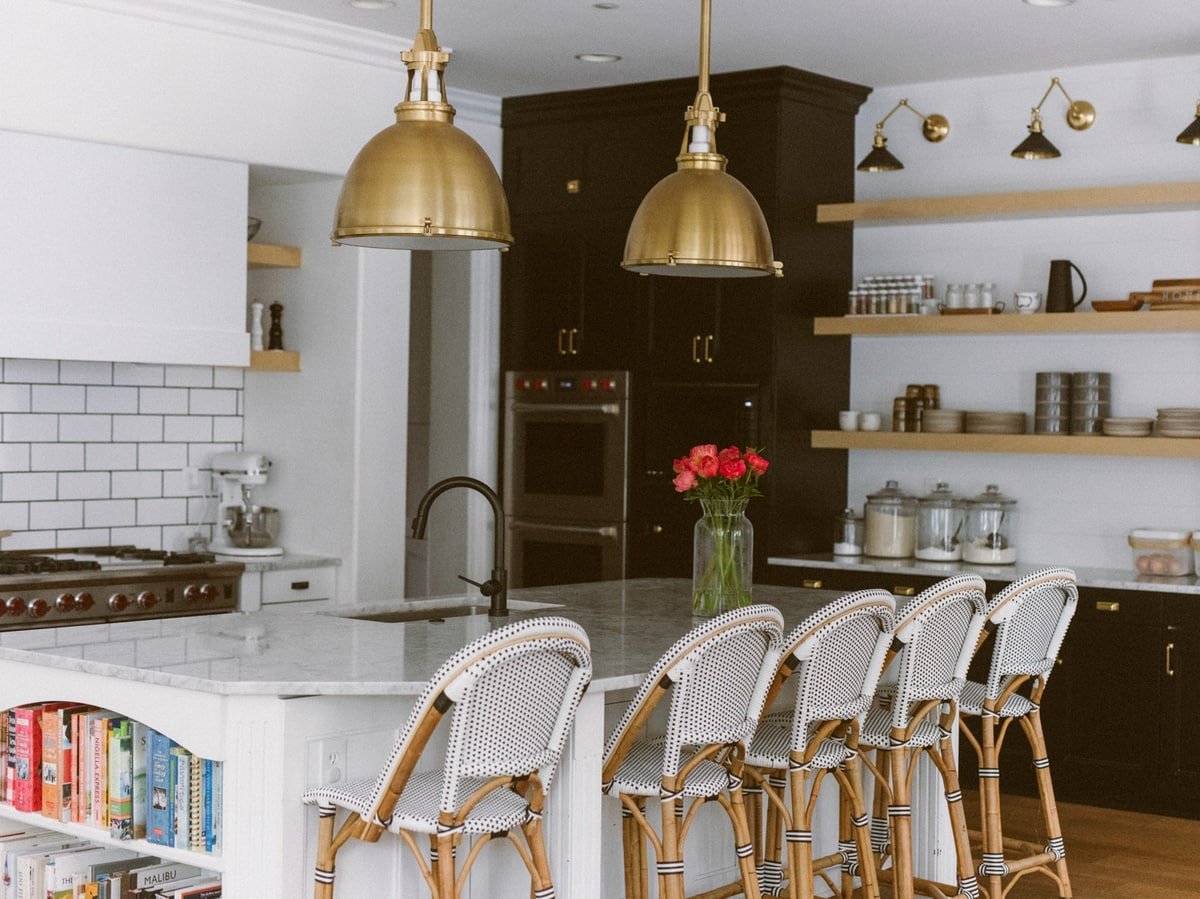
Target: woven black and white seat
[
  {"x": 936, "y": 635},
  {"x": 513, "y": 693},
  {"x": 717, "y": 677},
  {"x": 1028, "y": 620},
  {"x": 834, "y": 657}
]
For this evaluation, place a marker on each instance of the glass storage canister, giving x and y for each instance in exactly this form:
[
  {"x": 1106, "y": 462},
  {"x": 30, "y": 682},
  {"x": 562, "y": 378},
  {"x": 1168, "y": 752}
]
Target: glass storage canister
[
  {"x": 847, "y": 534},
  {"x": 891, "y": 523},
  {"x": 989, "y": 529},
  {"x": 940, "y": 517}
]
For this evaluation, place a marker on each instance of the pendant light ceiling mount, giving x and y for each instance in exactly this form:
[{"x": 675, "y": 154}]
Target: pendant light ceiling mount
[
  {"x": 423, "y": 184},
  {"x": 934, "y": 128},
  {"x": 1080, "y": 116},
  {"x": 700, "y": 221}
]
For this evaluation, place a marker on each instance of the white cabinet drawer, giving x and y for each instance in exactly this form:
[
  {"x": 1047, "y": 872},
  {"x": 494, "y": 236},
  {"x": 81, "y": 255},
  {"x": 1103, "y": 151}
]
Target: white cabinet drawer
[{"x": 298, "y": 585}]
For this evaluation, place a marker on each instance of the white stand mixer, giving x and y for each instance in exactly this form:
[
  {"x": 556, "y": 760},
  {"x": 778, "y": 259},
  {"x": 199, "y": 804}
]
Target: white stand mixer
[{"x": 243, "y": 529}]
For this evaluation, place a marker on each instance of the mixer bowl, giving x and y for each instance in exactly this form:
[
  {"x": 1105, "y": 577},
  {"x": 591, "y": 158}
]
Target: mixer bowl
[{"x": 253, "y": 528}]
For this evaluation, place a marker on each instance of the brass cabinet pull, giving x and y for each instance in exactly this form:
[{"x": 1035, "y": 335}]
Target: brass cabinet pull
[
  {"x": 707, "y": 348},
  {"x": 299, "y": 585},
  {"x": 574, "y": 186},
  {"x": 695, "y": 345},
  {"x": 1058, "y": 662},
  {"x": 571, "y": 348},
  {"x": 904, "y": 591},
  {"x": 656, "y": 529},
  {"x": 1170, "y": 670},
  {"x": 562, "y": 332},
  {"x": 1104, "y": 606},
  {"x": 812, "y": 583}
]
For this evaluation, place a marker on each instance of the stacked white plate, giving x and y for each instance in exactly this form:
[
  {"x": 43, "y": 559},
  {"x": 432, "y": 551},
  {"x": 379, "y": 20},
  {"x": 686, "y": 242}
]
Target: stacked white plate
[
  {"x": 1127, "y": 427},
  {"x": 1179, "y": 422},
  {"x": 942, "y": 421},
  {"x": 994, "y": 422}
]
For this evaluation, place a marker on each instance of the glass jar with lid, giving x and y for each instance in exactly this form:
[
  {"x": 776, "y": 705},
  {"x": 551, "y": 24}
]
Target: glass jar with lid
[
  {"x": 988, "y": 529},
  {"x": 891, "y": 523},
  {"x": 847, "y": 534},
  {"x": 940, "y": 517}
]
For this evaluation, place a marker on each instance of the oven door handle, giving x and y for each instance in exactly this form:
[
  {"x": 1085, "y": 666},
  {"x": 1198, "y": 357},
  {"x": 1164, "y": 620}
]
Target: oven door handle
[
  {"x": 606, "y": 531},
  {"x": 571, "y": 408}
]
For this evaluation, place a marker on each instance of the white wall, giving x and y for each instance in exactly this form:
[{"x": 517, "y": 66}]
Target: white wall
[{"x": 1072, "y": 509}]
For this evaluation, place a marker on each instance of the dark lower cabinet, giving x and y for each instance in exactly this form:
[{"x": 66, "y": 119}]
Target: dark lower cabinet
[{"x": 1181, "y": 738}]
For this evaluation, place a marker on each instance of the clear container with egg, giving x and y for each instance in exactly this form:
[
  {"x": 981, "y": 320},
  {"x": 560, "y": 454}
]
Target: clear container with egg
[
  {"x": 988, "y": 539},
  {"x": 891, "y": 523},
  {"x": 940, "y": 517},
  {"x": 1162, "y": 552}
]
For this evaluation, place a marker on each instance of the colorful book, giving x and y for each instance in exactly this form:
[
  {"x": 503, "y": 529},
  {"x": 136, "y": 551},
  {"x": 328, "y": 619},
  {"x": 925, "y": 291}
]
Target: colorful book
[
  {"x": 57, "y": 759},
  {"x": 156, "y": 877},
  {"x": 195, "y": 888},
  {"x": 196, "y": 805},
  {"x": 218, "y": 798},
  {"x": 120, "y": 778},
  {"x": 4, "y": 756},
  {"x": 10, "y": 761},
  {"x": 207, "y": 802},
  {"x": 181, "y": 767},
  {"x": 160, "y": 800},
  {"x": 94, "y": 730},
  {"x": 27, "y": 787},
  {"x": 140, "y": 753},
  {"x": 61, "y": 872}
]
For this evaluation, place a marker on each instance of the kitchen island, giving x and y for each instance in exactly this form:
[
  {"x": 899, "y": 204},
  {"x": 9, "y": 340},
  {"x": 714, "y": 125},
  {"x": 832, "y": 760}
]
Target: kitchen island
[{"x": 285, "y": 699}]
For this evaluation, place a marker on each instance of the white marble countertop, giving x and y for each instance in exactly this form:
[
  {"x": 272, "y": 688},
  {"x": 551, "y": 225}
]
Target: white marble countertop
[
  {"x": 294, "y": 653},
  {"x": 1112, "y": 578},
  {"x": 286, "y": 562}
]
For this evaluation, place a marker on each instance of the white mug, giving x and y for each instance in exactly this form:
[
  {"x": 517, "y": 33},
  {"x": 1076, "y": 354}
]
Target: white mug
[
  {"x": 870, "y": 421},
  {"x": 1027, "y": 301},
  {"x": 848, "y": 420}
]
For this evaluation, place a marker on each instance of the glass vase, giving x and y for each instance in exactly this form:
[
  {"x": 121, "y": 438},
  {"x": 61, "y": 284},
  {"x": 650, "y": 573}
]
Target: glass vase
[{"x": 722, "y": 558}]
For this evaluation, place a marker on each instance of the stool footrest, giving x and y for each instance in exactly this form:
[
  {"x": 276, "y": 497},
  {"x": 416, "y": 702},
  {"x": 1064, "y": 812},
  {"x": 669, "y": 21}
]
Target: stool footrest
[{"x": 1031, "y": 861}]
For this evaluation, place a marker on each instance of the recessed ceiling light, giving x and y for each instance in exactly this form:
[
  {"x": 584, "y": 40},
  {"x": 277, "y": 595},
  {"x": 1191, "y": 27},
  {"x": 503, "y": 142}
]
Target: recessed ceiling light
[
  {"x": 606, "y": 5},
  {"x": 372, "y": 4},
  {"x": 597, "y": 57},
  {"x": 1049, "y": 2}
]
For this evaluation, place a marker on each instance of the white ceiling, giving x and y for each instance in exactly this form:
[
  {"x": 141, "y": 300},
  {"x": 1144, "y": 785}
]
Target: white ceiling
[{"x": 528, "y": 46}]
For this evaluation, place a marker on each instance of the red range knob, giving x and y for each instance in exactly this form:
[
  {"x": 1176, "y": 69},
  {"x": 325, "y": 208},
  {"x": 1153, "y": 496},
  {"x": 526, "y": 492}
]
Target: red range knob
[
  {"x": 210, "y": 592},
  {"x": 191, "y": 593},
  {"x": 14, "y": 605},
  {"x": 65, "y": 602},
  {"x": 147, "y": 600},
  {"x": 38, "y": 608},
  {"x": 84, "y": 601},
  {"x": 118, "y": 602}
]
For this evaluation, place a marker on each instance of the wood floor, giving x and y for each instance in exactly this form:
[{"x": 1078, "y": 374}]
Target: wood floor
[{"x": 1111, "y": 854}]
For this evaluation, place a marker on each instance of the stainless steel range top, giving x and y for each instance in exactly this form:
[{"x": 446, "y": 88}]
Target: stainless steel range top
[{"x": 90, "y": 584}]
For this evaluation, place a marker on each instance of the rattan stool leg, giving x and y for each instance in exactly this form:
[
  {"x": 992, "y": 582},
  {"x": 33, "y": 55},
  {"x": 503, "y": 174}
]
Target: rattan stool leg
[
  {"x": 944, "y": 752},
  {"x": 1041, "y": 761},
  {"x": 670, "y": 858},
  {"x": 742, "y": 842},
  {"x": 535, "y": 838},
  {"x": 770, "y": 874},
  {"x": 445, "y": 866},
  {"x": 799, "y": 837},
  {"x": 323, "y": 875},
  {"x": 900, "y": 821},
  {"x": 856, "y": 799},
  {"x": 992, "y": 867}
]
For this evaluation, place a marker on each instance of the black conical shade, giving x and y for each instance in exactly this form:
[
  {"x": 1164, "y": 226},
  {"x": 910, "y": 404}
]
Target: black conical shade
[
  {"x": 1036, "y": 146},
  {"x": 1191, "y": 134},
  {"x": 880, "y": 159}
]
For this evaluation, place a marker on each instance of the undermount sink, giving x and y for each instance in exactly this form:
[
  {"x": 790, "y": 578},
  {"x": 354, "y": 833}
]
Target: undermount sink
[{"x": 436, "y": 612}]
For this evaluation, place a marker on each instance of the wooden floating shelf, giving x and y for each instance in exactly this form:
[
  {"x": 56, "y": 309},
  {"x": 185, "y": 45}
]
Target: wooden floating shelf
[
  {"x": 1037, "y": 323},
  {"x": 266, "y": 255},
  {"x": 1058, "y": 445},
  {"x": 274, "y": 360},
  {"x": 1029, "y": 204}
]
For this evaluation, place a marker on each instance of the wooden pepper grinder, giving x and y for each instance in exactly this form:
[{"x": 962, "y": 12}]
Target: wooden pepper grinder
[{"x": 276, "y": 333}]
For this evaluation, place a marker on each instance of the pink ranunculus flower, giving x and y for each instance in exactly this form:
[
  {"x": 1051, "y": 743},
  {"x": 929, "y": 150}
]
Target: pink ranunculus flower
[
  {"x": 703, "y": 460},
  {"x": 733, "y": 469},
  {"x": 729, "y": 454},
  {"x": 684, "y": 481},
  {"x": 757, "y": 463},
  {"x": 681, "y": 464}
]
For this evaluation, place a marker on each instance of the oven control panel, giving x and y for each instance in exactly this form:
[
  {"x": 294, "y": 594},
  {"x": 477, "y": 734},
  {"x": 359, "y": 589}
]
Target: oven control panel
[{"x": 567, "y": 387}]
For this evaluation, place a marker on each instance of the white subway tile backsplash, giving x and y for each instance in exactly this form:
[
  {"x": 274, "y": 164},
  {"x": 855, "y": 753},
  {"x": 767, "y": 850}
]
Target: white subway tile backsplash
[
  {"x": 161, "y": 511},
  {"x": 137, "y": 428},
  {"x": 14, "y": 516},
  {"x": 138, "y": 375},
  {"x": 163, "y": 401},
  {"x": 148, "y": 537},
  {"x": 109, "y": 513},
  {"x": 31, "y": 371},
  {"x": 19, "y": 486},
  {"x": 187, "y": 429},
  {"x": 175, "y": 537},
  {"x": 85, "y": 372},
  {"x": 201, "y": 508},
  {"x": 84, "y": 485},
  {"x": 229, "y": 377},
  {"x": 14, "y": 397},
  {"x": 137, "y": 484},
  {"x": 213, "y": 402},
  {"x": 189, "y": 376},
  {"x": 175, "y": 483},
  {"x": 20, "y": 427},
  {"x": 55, "y": 516},
  {"x": 56, "y": 457},
  {"x": 14, "y": 457},
  {"x": 162, "y": 455},
  {"x": 227, "y": 428},
  {"x": 200, "y": 454},
  {"x": 84, "y": 537},
  {"x": 112, "y": 456},
  {"x": 112, "y": 399},
  {"x": 57, "y": 398},
  {"x": 85, "y": 427},
  {"x": 31, "y": 540}
]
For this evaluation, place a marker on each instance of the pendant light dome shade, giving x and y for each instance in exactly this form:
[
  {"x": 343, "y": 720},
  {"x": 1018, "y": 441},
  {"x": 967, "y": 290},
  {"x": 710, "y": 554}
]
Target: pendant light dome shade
[
  {"x": 880, "y": 159},
  {"x": 1036, "y": 146},
  {"x": 699, "y": 222},
  {"x": 422, "y": 184}
]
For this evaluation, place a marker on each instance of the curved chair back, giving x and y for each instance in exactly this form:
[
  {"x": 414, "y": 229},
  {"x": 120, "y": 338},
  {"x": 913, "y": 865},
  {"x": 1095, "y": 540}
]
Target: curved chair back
[
  {"x": 514, "y": 692},
  {"x": 717, "y": 675},
  {"x": 939, "y": 630},
  {"x": 837, "y": 655},
  {"x": 1031, "y": 616}
]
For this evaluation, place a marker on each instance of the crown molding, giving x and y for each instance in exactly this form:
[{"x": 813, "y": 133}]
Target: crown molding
[{"x": 482, "y": 108}]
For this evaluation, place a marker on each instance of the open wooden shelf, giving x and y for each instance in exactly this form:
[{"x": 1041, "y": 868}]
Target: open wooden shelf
[
  {"x": 1029, "y": 204},
  {"x": 1052, "y": 444},
  {"x": 266, "y": 255},
  {"x": 274, "y": 360},
  {"x": 1037, "y": 323}
]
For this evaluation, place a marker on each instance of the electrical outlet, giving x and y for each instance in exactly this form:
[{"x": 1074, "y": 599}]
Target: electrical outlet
[
  {"x": 327, "y": 760},
  {"x": 193, "y": 478}
]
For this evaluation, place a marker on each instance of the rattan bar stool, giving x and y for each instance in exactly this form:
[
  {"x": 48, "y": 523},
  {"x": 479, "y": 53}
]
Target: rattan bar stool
[
  {"x": 835, "y": 657},
  {"x": 1028, "y": 619},
  {"x": 936, "y": 635},
  {"x": 717, "y": 677},
  {"x": 513, "y": 693}
]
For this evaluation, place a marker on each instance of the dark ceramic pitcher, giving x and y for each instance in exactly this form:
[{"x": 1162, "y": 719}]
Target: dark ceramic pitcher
[{"x": 1060, "y": 293}]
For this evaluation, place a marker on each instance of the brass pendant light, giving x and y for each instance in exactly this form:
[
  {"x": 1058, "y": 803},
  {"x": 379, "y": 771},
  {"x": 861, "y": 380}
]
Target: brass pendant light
[
  {"x": 1080, "y": 116},
  {"x": 700, "y": 221},
  {"x": 935, "y": 128},
  {"x": 422, "y": 184},
  {"x": 1191, "y": 134}
]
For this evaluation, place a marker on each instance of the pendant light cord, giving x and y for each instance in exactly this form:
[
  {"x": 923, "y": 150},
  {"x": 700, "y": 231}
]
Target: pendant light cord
[{"x": 705, "y": 42}]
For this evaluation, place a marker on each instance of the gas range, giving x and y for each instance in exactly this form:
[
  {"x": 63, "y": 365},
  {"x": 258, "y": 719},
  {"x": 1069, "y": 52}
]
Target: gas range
[{"x": 91, "y": 584}]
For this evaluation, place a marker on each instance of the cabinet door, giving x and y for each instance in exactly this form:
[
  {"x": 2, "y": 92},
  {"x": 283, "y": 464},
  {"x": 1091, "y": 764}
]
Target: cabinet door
[
  {"x": 607, "y": 330},
  {"x": 543, "y": 293},
  {"x": 708, "y": 329},
  {"x": 1181, "y": 737}
]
